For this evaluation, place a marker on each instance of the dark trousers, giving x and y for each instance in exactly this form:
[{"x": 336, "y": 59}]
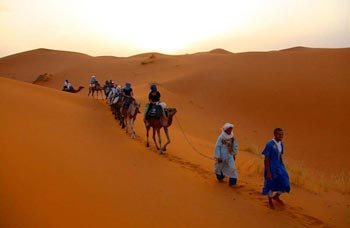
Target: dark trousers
[{"x": 220, "y": 177}]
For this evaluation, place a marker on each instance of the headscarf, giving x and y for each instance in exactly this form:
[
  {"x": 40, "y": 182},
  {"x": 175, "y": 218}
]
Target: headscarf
[
  {"x": 224, "y": 135},
  {"x": 153, "y": 88}
]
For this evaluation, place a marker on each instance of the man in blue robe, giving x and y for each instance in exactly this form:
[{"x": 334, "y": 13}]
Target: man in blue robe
[{"x": 276, "y": 176}]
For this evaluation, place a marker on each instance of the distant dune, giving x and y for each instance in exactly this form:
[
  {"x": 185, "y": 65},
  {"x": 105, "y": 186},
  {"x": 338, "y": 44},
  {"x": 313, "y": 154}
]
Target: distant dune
[
  {"x": 27, "y": 66},
  {"x": 303, "y": 90},
  {"x": 299, "y": 48},
  {"x": 220, "y": 51}
]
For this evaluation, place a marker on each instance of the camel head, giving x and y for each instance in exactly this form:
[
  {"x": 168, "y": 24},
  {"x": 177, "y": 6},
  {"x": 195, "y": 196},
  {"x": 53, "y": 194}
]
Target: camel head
[
  {"x": 171, "y": 111},
  {"x": 137, "y": 106}
]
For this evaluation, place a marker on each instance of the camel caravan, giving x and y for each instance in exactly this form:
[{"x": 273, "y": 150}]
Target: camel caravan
[{"x": 125, "y": 110}]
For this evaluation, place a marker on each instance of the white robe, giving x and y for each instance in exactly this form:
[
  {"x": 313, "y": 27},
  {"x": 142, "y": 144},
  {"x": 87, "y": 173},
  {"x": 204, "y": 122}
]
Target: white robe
[{"x": 227, "y": 166}]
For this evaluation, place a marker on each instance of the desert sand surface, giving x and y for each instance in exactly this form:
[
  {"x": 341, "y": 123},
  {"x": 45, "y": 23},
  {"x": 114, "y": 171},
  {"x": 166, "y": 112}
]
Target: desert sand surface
[{"x": 66, "y": 162}]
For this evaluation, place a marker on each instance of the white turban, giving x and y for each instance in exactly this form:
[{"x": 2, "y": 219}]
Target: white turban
[
  {"x": 227, "y": 126},
  {"x": 224, "y": 128}
]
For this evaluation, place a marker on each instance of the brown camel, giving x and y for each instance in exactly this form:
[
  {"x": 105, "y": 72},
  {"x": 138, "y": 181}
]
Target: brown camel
[
  {"x": 129, "y": 115},
  {"x": 156, "y": 125},
  {"x": 97, "y": 88},
  {"x": 72, "y": 90}
]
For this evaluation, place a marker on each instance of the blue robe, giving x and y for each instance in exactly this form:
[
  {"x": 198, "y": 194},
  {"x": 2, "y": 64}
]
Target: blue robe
[{"x": 280, "y": 178}]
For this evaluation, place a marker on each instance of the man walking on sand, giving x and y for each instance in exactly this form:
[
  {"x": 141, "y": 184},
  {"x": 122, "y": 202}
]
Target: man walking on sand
[
  {"x": 276, "y": 176},
  {"x": 225, "y": 154}
]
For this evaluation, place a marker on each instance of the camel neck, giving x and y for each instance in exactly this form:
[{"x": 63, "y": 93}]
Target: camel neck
[{"x": 170, "y": 120}]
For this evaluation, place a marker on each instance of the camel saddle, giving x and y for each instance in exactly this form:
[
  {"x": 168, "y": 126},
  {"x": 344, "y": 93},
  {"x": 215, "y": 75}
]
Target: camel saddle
[{"x": 155, "y": 112}]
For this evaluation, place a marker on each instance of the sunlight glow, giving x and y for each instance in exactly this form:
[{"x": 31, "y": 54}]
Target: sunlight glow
[
  {"x": 120, "y": 27},
  {"x": 163, "y": 25}
]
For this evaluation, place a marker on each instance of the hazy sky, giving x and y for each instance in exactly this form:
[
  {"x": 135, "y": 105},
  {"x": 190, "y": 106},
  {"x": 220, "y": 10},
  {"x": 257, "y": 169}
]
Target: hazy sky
[{"x": 123, "y": 28}]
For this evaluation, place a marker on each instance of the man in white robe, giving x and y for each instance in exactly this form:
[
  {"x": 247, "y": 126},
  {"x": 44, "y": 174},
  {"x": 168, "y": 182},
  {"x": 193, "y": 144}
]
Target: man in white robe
[{"x": 225, "y": 152}]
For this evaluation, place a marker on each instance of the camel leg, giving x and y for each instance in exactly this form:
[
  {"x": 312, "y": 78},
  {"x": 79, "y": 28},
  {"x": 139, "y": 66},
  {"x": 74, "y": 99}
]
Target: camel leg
[
  {"x": 132, "y": 128},
  {"x": 166, "y": 130},
  {"x": 116, "y": 115},
  {"x": 112, "y": 109},
  {"x": 117, "y": 110},
  {"x": 160, "y": 141},
  {"x": 121, "y": 117},
  {"x": 122, "y": 120},
  {"x": 147, "y": 134},
  {"x": 154, "y": 138},
  {"x": 126, "y": 119},
  {"x": 127, "y": 124}
]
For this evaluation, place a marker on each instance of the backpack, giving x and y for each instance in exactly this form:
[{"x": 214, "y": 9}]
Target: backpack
[{"x": 154, "y": 112}]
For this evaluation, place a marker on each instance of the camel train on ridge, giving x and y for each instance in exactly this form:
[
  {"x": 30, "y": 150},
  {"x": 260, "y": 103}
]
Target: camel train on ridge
[{"x": 125, "y": 109}]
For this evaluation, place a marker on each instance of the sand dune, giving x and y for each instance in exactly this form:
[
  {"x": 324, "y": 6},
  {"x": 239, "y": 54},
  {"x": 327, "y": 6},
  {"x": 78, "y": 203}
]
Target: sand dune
[
  {"x": 309, "y": 88},
  {"x": 65, "y": 164},
  {"x": 220, "y": 51},
  {"x": 27, "y": 66},
  {"x": 304, "y": 91}
]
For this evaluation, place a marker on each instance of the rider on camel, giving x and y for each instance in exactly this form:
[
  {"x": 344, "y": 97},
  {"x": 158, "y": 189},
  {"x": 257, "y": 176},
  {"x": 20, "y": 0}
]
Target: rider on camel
[
  {"x": 93, "y": 81},
  {"x": 127, "y": 90},
  {"x": 154, "y": 99},
  {"x": 127, "y": 94},
  {"x": 67, "y": 86},
  {"x": 113, "y": 95}
]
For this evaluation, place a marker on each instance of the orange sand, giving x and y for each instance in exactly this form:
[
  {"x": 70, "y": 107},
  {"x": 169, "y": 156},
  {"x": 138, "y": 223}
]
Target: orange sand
[{"x": 66, "y": 163}]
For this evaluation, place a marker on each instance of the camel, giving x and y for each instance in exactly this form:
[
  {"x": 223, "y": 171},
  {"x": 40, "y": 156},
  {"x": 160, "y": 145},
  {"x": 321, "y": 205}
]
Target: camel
[
  {"x": 97, "y": 88},
  {"x": 72, "y": 90},
  {"x": 157, "y": 124},
  {"x": 128, "y": 116}
]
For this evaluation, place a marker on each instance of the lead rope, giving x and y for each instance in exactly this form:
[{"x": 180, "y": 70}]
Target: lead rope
[{"x": 189, "y": 142}]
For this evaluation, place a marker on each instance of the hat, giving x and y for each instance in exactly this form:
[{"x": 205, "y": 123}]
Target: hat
[{"x": 153, "y": 88}]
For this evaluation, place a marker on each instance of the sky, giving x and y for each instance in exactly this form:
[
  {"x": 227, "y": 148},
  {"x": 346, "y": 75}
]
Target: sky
[{"x": 129, "y": 27}]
